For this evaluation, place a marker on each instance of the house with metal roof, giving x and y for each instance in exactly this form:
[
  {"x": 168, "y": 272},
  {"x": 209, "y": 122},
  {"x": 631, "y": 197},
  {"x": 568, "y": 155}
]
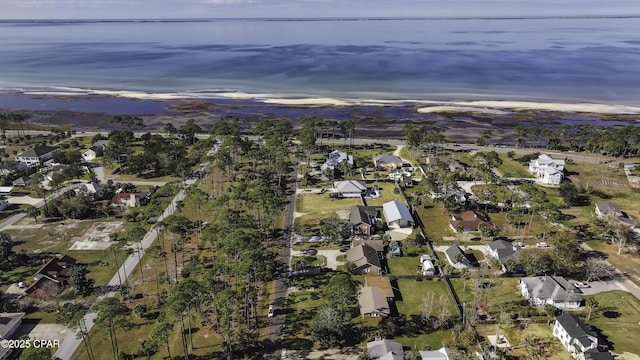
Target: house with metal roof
[
  {"x": 397, "y": 214},
  {"x": 551, "y": 171},
  {"x": 579, "y": 339},
  {"x": 553, "y": 290},
  {"x": 440, "y": 354}
]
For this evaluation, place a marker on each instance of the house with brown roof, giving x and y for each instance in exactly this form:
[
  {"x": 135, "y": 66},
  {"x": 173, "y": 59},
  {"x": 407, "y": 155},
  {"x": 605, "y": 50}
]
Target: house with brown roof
[
  {"x": 364, "y": 258},
  {"x": 383, "y": 283},
  {"x": 373, "y": 302},
  {"x": 468, "y": 220},
  {"x": 378, "y": 245},
  {"x": 53, "y": 271},
  {"x": 363, "y": 219}
]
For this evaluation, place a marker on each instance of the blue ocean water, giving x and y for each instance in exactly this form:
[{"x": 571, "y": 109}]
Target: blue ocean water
[{"x": 557, "y": 59}]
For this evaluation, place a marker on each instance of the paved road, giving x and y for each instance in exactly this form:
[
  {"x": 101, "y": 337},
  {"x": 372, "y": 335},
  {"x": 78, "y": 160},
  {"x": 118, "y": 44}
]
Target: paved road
[
  {"x": 71, "y": 343},
  {"x": 274, "y": 348}
]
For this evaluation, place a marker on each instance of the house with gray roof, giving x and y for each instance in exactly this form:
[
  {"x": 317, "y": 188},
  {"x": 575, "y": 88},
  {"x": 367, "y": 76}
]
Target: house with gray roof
[
  {"x": 365, "y": 259},
  {"x": 579, "y": 339},
  {"x": 397, "y": 214},
  {"x": 37, "y": 155},
  {"x": 503, "y": 250},
  {"x": 553, "y": 290},
  {"x": 363, "y": 219},
  {"x": 453, "y": 253},
  {"x": 550, "y": 171},
  {"x": 388, "y": 162},
  {"x": 384, "y": 350},
  {"x": 349, "y": 188},
  {"x": 610, "y": 211},
  {"x": 9, "y": 324}
]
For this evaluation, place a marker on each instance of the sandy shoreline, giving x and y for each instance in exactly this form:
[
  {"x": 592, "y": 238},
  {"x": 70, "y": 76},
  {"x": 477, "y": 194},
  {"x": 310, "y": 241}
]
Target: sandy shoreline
[{"x": 464, "y": 120}]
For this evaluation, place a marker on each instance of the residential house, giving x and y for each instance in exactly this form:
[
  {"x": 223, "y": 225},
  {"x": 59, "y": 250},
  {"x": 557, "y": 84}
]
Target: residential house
[
  {"x": 377, "y": 245},
  {"x": 468, "y": 221},
  {"x": 383, "y": 283},
  {"x": 9, "y": 167},
  {"x": 54, "y": 271},
  {"x": 453, "y": 253},
  {"x": 397, "y": 214},
  {"x": 22, "y": 181},
  {"x": 38, "y": 155},
  {"x": 89, "y": 154},
  {"x": 607, "y": 210},
  {"x": 388, "y": 162},
  {"x": 89, "y": 188},
  {"x": 363, "y": 219},
  {"x": 9, "y": 324},
  {"x": 365, "y": 259},
  {"x": 554, "y": 290},
  {"x": 134, "y": 199},
  {"x": 349, "y": 188},
  {"x": 549, "y": 170},
  {"x": 426, "y": 266},
  {"x": 579, "y": 339},
  {"x": 440, "y": 354},
  {"x": 503, "y": 250},
  {"x": 335, "y": 158},
  {"x": 101, "y": 144},
  {"x": 373, "y": 303},
  {"x": 384, "y": 350},
  {"x": 55, "y": 170}
]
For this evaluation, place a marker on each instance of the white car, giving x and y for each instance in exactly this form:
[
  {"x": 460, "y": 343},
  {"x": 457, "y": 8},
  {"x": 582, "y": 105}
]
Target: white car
[
  {"x": 271, "y": 311},
  {"x": 542, "y": 245},
  {"x": 580, "y": 285}
]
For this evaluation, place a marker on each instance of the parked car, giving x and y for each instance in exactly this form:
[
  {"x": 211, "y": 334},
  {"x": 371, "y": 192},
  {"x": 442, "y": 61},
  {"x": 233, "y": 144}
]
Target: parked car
[
  {"x": 542, "y": 245},
  {"x": 271, "y": 311},
  {"x": 581, "y": 285}
]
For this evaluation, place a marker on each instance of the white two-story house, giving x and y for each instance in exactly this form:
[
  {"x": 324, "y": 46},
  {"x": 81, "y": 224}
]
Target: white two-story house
[{"x": 579, "y": 339}]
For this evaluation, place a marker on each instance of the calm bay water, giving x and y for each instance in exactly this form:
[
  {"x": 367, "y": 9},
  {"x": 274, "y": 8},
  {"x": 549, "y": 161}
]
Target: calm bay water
[{"x": 568, "y": 60}]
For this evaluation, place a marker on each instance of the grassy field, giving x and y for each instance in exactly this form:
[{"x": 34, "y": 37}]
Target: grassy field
[
  {"x": 308, "y": 203},
  {"x": 436, "y": 223},
  {"x": 512, "y": 168},
  {"x": 386, "y": 194},
  {"x": 516, "y": 336},
  {"x": 618, "y": 319},
  {"x": 499, "y": 293},
  {"x": 309, "y": 224},
  {"x": 404, "y": 265},
  {"x": 413, "y": 291}
]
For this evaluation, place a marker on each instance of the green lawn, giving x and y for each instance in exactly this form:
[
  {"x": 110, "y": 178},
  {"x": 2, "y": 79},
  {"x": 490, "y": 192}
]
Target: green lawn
[
  {"x": 516, "y": 336},
  {"x": 504, "y": 293},
  {"x": 404, "y": 265},
  {"x": 386, "y": 194},
  {"x": 618, "y": 318},
  {"x": 513, "y": 168},
  {"x": 308, "y": 203},
  {"x": 436, "y": 223},
  {"x": 413, "y": 291},
  {"x": 309, "y": 224}
]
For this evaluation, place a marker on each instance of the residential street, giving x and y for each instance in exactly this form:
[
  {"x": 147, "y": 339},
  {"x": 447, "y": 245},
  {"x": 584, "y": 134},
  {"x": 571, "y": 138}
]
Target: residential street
[
  {"x": 71, "y": 343},
  {"x": 274, "y": 347}
]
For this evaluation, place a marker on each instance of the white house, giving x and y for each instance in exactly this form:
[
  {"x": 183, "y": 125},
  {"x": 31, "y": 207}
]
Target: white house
[
  {"x": 554, "y": 290},
  {"x": 397, "y": 214},
  {"x": 579, "y": 339},
  {"x": 37, "y": 155},
  {"x": 349, "y": 188},
  {"x": 88, "y": 154},
  {"x": 549, "y": 170},
  {"x": 335, "y": 158}
]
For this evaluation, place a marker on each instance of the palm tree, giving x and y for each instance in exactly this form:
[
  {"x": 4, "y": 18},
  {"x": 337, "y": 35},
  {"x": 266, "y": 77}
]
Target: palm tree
[{"x": 33, "y": 212}]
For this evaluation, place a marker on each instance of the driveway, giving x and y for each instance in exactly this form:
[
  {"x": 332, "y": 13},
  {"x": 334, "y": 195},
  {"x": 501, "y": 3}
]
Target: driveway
[{"x": 597, "y": 287}]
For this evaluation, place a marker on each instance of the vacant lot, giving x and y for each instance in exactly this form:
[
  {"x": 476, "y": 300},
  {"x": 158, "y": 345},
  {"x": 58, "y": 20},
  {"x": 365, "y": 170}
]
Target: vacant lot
[{"x": 307, "y": 203}]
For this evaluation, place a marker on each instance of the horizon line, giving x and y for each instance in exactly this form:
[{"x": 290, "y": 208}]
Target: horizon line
[{"x": 325, "y": 18}]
